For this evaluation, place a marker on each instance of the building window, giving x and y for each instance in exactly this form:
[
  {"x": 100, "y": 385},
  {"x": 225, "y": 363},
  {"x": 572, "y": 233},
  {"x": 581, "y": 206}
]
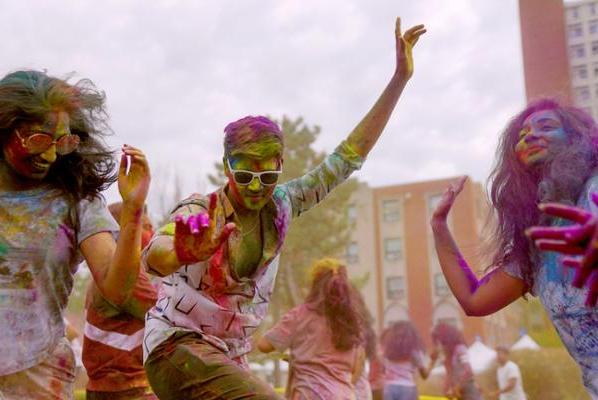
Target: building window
[
  {"x": 573, "y": 12},
  {"x": 578, "y": 51},
  {"x": 594, "y": 48},
  {"x": 592, "y": 8},
  {"x": 581, "y": 72},
  {"x": 391, "y": 210},
  {"x": 575, "y": 31},
  {"x": 440, "y": 286},
  {"x": 594, "y": 27},
  {"x": 393, "y": 249},
  {"x": 352, "y": 213},
  {"x": 582, "y": 94},
  {"x": 395, "y": 287},
  {"x": 352, "y": 253}
]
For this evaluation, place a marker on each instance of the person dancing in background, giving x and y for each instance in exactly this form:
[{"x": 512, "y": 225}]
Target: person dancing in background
[
  {"x": 325, "y": 335},
  {"x": 404, "y": 355},
  {"x": 459, "y": 381},
  {"x": 53, "y": 167},
  {"x": 547, "y": 153},
  {"x": 219, "y": 254},
  {"x": 112, "y": 352}
]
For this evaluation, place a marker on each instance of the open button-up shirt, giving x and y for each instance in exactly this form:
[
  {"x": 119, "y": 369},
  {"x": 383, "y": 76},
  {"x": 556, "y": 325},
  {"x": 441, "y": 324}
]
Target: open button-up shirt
[{"x": 207, "y": 297}]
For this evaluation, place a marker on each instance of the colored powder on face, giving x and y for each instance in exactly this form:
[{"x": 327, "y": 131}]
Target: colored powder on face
[{"x": 3, "y": 249}]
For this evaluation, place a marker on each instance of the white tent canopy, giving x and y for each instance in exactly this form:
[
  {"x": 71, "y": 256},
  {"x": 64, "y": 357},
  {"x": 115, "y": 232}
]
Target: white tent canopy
[
  {"x": 481, "y": 356},
  {"x": 525, "y": 343}
]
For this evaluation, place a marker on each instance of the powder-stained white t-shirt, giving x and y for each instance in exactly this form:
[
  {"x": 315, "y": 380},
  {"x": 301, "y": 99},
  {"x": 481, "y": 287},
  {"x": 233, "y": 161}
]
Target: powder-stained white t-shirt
[
  {"x": 503, "y": 375},
  {"x": 39, "y": 253}
]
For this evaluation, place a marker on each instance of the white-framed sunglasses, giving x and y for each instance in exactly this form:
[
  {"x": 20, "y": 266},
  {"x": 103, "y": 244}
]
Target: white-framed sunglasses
[{"x": 243, "y": 177}]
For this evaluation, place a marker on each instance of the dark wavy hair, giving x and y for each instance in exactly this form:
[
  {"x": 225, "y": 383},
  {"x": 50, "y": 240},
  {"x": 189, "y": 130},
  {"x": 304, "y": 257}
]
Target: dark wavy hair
[
  {"x": 400, "y": 340},
  {"x": 29, "y": 96},
  {"x": 333, "y": 296},
  {"x": 449, "y": 337},
  {"x": 516, "y": 189}
]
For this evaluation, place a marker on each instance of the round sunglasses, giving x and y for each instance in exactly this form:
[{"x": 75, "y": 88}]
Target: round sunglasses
[
  {"x": 38, "y": 143},
  {"x": 243, "y": 177}
]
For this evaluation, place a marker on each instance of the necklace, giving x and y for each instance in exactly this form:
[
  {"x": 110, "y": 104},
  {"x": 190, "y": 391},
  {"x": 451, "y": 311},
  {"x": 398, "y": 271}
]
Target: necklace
[{"x": 257, "y": 221}]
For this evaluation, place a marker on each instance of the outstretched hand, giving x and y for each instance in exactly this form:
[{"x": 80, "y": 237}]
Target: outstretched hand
[
  {"x": 404, "y": 44},
  {"x": 448, "y": 199},
  {"x": 578, "y": 241},
  {"x": 133, "y": 177},
  {"x": 198, "y": 236}
]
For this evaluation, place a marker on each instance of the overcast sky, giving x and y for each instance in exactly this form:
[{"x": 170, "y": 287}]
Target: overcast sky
[{"x": 176, "y": 72}]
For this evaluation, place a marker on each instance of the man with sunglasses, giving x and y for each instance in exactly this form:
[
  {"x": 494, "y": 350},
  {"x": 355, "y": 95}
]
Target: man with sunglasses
[{"x": 219, "y": 254}]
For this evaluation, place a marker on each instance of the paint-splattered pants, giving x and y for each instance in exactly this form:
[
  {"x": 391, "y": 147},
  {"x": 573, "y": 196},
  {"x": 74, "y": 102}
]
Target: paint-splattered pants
[
  {"x": 131, "y": 394},
  {"x": 51, "y": 379},
  {"x": 186, "y": 367}
]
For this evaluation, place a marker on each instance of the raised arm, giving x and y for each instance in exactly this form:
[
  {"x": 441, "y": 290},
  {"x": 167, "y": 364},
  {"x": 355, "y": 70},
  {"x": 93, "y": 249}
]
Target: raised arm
[
  {"x": 367, "y": 132},
  {"x": 477, "y": 297},
  {"x": 115, "y": 266}
]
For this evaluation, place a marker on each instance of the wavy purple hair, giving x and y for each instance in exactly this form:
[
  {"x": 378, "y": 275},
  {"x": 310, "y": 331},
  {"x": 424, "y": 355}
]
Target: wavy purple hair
[
  {"x": 516, "y": 189},
  {"x": 400, "y": 340}
]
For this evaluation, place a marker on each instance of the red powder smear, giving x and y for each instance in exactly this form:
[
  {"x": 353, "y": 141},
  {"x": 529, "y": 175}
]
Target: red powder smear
[
  {"x": 62, "y": 362},
  {"x": 216, "y": 268}
]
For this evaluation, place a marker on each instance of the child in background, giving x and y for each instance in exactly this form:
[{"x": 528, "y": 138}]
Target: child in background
[
  {"x": 325, "y": 336},
  {"x": 112, "y": 352},
  {"x": 404, "y": 355}
]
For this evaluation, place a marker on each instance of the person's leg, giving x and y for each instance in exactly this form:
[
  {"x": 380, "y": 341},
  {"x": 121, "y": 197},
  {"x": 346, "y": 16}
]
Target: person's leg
[
  {"x": 51, "y": 379},
  {"x": 186, "y": 367},
  {"x": 399, "y": 392}
]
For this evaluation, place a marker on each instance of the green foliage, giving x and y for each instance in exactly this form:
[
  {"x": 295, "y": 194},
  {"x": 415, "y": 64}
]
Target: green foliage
[{"x": 537, "y": 324}]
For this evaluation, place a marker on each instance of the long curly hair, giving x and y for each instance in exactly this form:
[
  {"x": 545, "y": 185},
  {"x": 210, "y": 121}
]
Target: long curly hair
[
  {"x": 516, "y": 189},
  {"x": 400, "y": 340},
  {"x": 29, "y": 96},
  {"x": 449, "y": 337},
  {"x": 333, "y": 296}
]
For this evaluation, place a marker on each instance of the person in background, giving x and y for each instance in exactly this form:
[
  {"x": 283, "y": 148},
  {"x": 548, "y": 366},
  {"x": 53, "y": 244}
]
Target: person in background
[
  {"x": 403, "y": 356},
  {"x": 508, "y": 376},
  {"x": 325, "y": 336},
  {"x": 112, "y": 352},
  {"x": 459, "y": 381}
]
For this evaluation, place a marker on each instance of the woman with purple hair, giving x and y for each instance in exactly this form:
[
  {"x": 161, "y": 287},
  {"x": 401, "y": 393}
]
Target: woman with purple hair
[
  {"x": 548, "y": 153},
  {"x": 459, "y": 381},
  {"x": 404, "y": 358}
]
